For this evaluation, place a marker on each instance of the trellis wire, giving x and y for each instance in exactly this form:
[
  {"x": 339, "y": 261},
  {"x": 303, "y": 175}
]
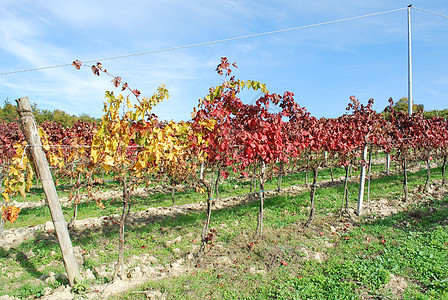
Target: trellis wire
[{"x": 207, "y": 43}]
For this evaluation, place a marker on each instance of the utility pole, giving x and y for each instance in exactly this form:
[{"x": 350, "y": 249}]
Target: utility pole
[{"x": 409, "y": 62}]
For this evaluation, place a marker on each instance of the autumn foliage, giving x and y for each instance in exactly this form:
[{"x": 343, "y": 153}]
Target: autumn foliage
[{"x": 226, "y": 134}]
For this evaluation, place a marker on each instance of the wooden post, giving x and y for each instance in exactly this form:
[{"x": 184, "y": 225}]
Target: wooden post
[{"x": 30, "y": 131}]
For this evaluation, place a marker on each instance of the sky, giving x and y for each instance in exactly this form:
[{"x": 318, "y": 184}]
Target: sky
[{"x": 322, "y": 65}]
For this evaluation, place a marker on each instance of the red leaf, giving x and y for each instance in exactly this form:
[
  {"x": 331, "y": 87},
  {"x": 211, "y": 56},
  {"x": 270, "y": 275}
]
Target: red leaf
[
  {"x": 95, "y": 71},
  {"x": 116, "y": 81},
  {"x": 224, "y": 174},
  {"x": 77, "y": 64},
  {"x": 137, "y": 93}
]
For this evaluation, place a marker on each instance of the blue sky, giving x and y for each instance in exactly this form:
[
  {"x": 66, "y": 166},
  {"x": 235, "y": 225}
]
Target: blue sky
[{"x": 323, "y": 65}]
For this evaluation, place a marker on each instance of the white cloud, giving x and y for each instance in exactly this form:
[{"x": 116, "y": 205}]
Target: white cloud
[{"x": 50, "y": 32}]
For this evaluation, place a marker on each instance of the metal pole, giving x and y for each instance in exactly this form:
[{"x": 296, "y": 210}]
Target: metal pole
[
  {"x": 409, "y": 62},
  {"x": 362, "y": 180}
]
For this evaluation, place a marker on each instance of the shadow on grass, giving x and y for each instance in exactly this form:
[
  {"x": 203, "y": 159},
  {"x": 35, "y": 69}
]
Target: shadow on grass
[
  {"x": 423, "y": 216},
  {"x": 22, "y": 259},
  {"x": 27, "y": 265},
  {"x": 176, "y": 218}
]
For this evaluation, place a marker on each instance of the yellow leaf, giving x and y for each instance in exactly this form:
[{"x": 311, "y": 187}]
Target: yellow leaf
[
  {"x": 11, "y": 213},
  {"x": 109, "y": 160},
  {"x": 22, "y": 190},
  {"x": 94, "y": 155},
  {"x": 5, "y": 196},
  {"x": 101, "y": 205},
  {"x": 14, "y": 172}
]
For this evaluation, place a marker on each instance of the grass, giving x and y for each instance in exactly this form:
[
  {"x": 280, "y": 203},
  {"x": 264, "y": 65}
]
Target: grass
[
  {"x": 358, "y": 258},
  {"x": 360, "y": 261},
  {"x": 40, "y": 215}
]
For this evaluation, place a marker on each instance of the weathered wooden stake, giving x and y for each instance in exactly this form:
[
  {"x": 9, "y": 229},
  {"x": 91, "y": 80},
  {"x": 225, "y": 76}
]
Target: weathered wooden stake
[{"x": 31, "y": 134}]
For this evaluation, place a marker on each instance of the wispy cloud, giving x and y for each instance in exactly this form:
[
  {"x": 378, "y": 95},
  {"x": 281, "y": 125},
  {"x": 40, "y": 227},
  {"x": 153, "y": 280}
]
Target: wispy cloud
[{"x": 320, "y": 64}]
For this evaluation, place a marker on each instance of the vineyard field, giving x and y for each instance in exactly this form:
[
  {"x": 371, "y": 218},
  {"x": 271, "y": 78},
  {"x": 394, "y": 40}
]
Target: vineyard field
[
  {"x": 289, "y": 260},
  {"x": 250, "y": 201}
]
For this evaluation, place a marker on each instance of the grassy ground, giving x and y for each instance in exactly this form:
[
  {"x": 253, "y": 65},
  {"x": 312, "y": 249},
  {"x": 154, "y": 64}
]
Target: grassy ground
[
  {"x": 39, "y": 215},
  {"x": 401, "y": 255}
]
